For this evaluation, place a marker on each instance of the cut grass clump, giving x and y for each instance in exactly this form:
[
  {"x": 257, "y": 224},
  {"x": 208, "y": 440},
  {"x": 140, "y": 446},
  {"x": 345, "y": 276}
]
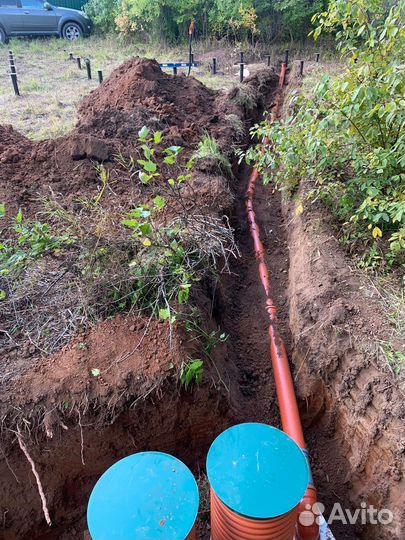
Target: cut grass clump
[
  {"x": 208, "y": 150},
  {"x": 245, "y": 97},
  {"x": 237, "y": 126}
]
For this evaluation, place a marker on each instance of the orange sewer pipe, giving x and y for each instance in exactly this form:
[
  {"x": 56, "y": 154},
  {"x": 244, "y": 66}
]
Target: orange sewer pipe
[
  {"x": 290, "y": 417},
  {"x": 226, "y": 524}
]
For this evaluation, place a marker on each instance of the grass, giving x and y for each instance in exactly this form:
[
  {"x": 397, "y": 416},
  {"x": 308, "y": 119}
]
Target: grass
[{"x": 208, "y": 149}]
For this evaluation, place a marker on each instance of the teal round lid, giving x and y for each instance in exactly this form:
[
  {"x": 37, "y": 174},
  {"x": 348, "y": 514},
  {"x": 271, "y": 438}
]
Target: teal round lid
[
  {"x": 257, "y": 471},
  {"x": 146, "y": 496}
]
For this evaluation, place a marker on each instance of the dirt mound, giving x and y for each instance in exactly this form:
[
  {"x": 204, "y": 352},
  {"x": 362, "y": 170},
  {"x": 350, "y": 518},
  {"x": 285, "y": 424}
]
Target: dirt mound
[
  {"x": 141, "y": 84},
  {"x": 136, "y": 94},
  {"x": 125, "y": 354}
]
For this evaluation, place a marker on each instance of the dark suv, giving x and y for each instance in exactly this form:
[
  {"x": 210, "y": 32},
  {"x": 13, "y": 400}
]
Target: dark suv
[{"x": 39, "y": 18}]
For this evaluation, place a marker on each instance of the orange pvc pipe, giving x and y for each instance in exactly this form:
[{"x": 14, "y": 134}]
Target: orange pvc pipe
[
  {"x": 290, "y": 417},
  {"x": 228, "y": 525}
]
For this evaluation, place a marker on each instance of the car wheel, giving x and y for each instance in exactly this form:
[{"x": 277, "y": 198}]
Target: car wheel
[
  {"x": 72, "y": 31},
  {"x": 3, "y": 37}
]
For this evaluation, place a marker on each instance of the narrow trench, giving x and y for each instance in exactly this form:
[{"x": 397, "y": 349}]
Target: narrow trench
[
  {"x": 243, "y": 312},
  {"x": 243, "y": 316}
]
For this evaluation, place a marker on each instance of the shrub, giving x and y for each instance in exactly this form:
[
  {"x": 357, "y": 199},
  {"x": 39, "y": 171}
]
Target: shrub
[
  {"x": 349, "y": 136},
  {"x": 103, "y": 13}
]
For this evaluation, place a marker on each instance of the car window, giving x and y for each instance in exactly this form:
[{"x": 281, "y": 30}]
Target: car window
[{"x": 33, "y": 4}]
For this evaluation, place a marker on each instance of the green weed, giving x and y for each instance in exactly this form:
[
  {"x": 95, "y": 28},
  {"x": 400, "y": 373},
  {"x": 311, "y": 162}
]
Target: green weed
[
  {"x": 192, "y": 372},
  {"x": 29, "y": 242}
]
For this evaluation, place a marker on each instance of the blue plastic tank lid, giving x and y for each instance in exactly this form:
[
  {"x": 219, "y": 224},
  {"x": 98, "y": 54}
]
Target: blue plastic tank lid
[
  {"x": 146, "y": 496},
  {"x": 257, "y": 471}
]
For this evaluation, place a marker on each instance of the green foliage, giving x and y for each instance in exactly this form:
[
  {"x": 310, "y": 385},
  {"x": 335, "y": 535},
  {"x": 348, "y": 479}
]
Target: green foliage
[
  {"x": 192, "y": 372},
  {"x": 242, "y": 20},
  {"x": 163, "y": 258},
  {"x": 210, "y": 340},
  {"x": 167, "y": 258},
  {"x": 296, "y": 15},
  {"x": 27, "y": 242},
  {"x": 349, "y": 137},
  {"x": 208, "y": 149},
  {"x": 149, "y": 167},
  {"x": 103, "y": 13}
]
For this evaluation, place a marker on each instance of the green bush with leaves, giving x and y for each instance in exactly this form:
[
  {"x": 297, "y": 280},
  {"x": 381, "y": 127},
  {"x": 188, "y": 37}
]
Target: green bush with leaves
[
  {"x": 103, "y": 13},
  {"x": 241, "y": 21},
  {"x": 349, "y": 137}
]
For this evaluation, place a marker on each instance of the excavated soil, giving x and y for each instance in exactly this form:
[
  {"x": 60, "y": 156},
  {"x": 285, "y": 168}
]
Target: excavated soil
[
  {"x": 137, "y": 94},
  {"x": 114, "y": 389}
]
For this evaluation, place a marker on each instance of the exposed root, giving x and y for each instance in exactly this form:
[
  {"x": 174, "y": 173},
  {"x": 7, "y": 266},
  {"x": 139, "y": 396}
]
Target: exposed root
[
  {"x": 81, "y": 437},
  {"x": 35, "y": 473}
]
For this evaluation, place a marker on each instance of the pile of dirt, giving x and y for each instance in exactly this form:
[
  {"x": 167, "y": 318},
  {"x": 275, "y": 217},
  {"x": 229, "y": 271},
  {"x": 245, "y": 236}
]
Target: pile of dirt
[
  {"x": 136, "y": 94},
  {"x": 140, "y": 93}
]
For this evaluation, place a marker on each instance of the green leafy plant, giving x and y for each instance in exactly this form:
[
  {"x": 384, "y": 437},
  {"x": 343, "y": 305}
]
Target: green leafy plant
[
  {"x": 165, "y": 256},
  {"x": 149, "y": 166},
  {"x": 28, "y": 241},
  {"x": 209, "y": 340},
  {"x": 349, "y": 136},
  {"x": 192, "y": 372}
]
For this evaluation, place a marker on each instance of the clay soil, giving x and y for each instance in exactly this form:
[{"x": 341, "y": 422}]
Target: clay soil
[{"x": 76, "y": 424}]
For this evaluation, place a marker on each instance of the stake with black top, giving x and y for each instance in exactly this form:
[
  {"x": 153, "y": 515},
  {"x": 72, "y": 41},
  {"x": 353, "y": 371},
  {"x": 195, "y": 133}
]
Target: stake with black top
[
  {"x": 71, "y": 57},
  {"x": 317, "y": 56},
  {"x": 174, "y": 71},
  {"x": 302, "y": 68},
  {"x": 241, "y": 57},
  {"x": 214, "y": 66},
  {"x": 287, "y": 53},
  {"x": 268, "y": 56},
  {"x": 242, "y": 66},
  {"x": 88, "y": 68},
  {"x": 79, "y": 62},
  {"x": 100, "y": 76}
]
